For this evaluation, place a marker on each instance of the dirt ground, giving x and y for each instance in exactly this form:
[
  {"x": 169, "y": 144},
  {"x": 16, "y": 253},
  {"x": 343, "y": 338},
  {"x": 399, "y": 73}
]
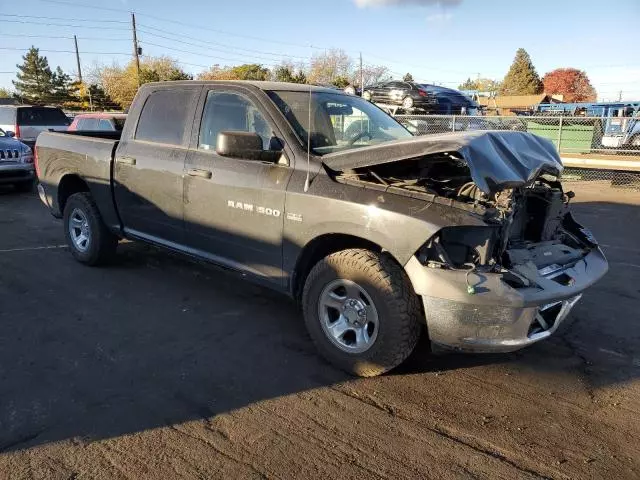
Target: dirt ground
[{"x": 160, "y": 368}]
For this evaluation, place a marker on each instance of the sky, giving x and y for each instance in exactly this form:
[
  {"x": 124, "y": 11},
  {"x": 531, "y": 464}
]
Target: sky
[{"x": 437, "y": 41}]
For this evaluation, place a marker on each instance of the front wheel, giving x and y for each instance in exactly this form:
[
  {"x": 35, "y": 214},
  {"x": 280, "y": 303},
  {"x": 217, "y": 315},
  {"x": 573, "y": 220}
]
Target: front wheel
[
  {"x": 89, "y": 239},
  {"x": 361, "y": 311}
]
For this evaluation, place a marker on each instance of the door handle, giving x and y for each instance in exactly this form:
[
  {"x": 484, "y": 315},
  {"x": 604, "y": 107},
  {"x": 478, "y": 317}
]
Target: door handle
[
  {"x": 126, "y": 160},
  {"x": 197, "y": 172}
]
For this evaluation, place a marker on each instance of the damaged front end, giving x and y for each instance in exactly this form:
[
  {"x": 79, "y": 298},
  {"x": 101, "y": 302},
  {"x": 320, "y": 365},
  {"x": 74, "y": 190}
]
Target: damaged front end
[{"x": 512, "y": 281}]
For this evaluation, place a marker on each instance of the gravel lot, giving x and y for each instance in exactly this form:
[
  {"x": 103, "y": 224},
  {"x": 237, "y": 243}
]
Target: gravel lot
[{"x": 160, "y": 368}]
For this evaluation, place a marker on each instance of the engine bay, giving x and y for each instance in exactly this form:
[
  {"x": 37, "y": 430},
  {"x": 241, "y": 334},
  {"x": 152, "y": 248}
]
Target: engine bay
[{"x": 526, "y": 224}]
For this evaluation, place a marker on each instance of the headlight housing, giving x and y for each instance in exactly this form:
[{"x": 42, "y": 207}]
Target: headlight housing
[
  {"x": 456, "y": 246},
  {"x": 27, "y": 154}
]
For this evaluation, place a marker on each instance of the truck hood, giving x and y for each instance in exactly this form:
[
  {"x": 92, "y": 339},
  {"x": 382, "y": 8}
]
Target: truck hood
[{"x": 496, "y": 159}]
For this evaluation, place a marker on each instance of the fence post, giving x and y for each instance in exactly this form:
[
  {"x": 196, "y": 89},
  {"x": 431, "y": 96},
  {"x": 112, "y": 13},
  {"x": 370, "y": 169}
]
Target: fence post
[
  {"x": 453, "y": 123},
  {"x": 560, "y": 134}
]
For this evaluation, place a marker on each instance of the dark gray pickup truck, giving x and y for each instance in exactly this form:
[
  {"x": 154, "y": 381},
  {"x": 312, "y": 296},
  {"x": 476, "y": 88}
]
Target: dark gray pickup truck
[{"x": 377, "y": 234}]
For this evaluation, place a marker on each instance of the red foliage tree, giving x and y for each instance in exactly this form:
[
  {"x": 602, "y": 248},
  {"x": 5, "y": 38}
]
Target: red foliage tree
[{"x": 570, "y": 82}]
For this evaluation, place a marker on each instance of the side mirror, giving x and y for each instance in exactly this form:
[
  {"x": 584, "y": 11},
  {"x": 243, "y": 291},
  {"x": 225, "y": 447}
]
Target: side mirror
[
  {"x": 9, "y": 133},
  {"x": 245, "y": 145}
]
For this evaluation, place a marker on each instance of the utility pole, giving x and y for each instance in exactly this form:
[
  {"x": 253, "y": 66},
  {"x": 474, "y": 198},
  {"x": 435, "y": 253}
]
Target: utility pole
[
  {"x": 361, "y": 76},
  {"x": 136, "y": 49},
  {"x": 75, "y": 41},
  {"x": 620, "y": 96}
]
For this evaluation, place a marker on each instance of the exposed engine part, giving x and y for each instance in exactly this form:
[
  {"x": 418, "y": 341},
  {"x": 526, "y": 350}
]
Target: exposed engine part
[{"x": 526, "y": 225}]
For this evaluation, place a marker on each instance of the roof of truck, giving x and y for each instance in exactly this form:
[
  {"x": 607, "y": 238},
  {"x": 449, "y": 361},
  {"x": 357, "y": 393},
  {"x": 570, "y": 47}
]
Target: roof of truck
[{"x": 282, "y": 86}]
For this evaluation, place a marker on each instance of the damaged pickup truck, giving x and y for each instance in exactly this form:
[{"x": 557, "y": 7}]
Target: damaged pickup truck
[{"x": 377, "y": 234}]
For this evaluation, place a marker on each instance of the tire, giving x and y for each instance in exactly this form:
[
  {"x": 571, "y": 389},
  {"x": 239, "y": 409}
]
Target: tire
[
  {"x": 100, "y": 246},
  {"x": 407, "y": 102},
  {"x": 367, "y": 96},
  {"x": 383, "y": 285},
  {"x": 24, "y": 187}
]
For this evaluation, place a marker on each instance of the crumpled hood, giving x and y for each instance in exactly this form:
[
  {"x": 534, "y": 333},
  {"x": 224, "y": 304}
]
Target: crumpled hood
[{"x": 497, "y": 159}]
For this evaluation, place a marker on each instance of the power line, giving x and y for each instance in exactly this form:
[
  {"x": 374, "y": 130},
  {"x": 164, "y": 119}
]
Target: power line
[
  {"x": 199, "y": 54},
  {"x": 64, "y": 25},
  {"x": 208, "y": 42},
  {"x": 110, "y": 39},
  {"x": 176, "y": 22},
  {"x": 65, "y": 51},
  {"x": 64, "y": 18}
]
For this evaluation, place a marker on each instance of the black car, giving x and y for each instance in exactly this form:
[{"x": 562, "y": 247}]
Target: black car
[{"x": 408, "y": 95}]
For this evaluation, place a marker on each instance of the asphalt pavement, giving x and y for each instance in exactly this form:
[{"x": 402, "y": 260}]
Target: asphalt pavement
[{"x": 158, "y": 367}]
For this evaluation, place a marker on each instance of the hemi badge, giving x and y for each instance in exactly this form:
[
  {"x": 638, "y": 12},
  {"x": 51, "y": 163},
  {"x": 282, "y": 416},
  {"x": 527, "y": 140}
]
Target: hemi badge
[{"x": 296, "y": 217}]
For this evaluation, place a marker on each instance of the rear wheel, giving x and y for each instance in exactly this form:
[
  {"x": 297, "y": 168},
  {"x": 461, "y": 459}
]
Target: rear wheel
[
  {"x": 361, "y": 311},
  {"x": 89, "y": 239},
  {"x": 407, "y": 102}
]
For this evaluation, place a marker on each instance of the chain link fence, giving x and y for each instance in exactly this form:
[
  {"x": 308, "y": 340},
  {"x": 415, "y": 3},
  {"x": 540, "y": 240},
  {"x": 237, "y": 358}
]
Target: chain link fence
[{"x": 592, "y": 149}]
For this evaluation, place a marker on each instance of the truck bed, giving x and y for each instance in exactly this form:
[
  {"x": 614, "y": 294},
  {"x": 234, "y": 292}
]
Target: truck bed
[{"x": 64, "y": 156}]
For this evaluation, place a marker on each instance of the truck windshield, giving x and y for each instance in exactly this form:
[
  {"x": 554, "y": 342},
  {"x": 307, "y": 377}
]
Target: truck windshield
[{"x": 338, "y": 121}]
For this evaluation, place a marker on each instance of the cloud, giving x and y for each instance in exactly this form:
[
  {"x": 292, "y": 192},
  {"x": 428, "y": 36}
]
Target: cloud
[
  {"x": 423, "y": 3},
  {"x": 439, "y": 17}
]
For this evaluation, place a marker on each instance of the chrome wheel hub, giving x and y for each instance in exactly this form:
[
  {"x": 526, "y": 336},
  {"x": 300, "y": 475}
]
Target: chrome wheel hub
[
  {"x": 348, "y": 316},
  {"x": 79, "y": 230}
]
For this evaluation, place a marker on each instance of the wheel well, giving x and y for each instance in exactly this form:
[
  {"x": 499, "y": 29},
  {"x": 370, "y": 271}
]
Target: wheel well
[
  {"x": 320, "y": 247},
  {"x": 69, "y": 185}
]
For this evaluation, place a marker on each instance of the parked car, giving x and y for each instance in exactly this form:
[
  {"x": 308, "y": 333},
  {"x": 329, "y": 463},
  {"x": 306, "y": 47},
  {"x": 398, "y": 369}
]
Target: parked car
[
  {"x": 451, "y": 101},
  {"x": 109, "y": 122},
  {"x": 376, "y": 233},
  {"x": 26, "y": 122},
  {"x": 408, "y": 95},
  {"x": 16, "y": 163}
]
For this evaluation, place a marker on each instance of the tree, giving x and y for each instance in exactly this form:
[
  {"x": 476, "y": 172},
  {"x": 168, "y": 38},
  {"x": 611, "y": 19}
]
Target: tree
[
  {"x": 371, "y": 74},
  {"x": 98, "y": 98},
  {"x": 250, "y": 71},
  {"x": 481, "y": 85},
  {"x": 5, "y": 93},
  {"x": 62, "y": 89},
  {"x": 247, "y": 71},
  {"x": 121, "y": 83},
  {"x": 407, "y": 77},
  {"x": 285, "y": 73},
  {"x": 522, "y": 78},
  {"x": 341, "y": 82},
  {"x": 570, "y": 82},
  {"x": 328, "y": 66},
  {"x": 35, "y": 82}
]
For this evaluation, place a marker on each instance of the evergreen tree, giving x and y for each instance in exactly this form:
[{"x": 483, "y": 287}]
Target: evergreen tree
[
  {"x": 522, "y": 78},
  {"x": 285, "y": 73},
  {"x": 407, "y": 77},
  {"x": 35, "y": 82},
  {"x": 62, "y": 90}
]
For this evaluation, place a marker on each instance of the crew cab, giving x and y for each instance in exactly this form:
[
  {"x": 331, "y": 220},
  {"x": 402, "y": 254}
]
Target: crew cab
[{"x": 377, "y": 234}]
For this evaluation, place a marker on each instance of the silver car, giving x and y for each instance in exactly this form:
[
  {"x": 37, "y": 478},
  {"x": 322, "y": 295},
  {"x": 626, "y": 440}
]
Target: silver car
[
  {"x": 27, "y": 122},
  {"x": 16, "y": 163}
]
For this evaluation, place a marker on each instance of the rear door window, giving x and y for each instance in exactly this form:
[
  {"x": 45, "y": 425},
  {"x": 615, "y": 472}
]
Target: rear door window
[
  {"x": 38, "y": 116},
  {"x": 164, "y": 116}
]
